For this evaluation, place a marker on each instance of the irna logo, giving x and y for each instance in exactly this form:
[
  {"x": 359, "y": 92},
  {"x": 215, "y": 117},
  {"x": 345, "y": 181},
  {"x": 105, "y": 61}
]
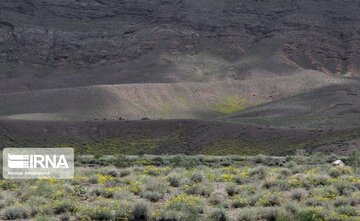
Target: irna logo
[{"x": 36, "y": 161}]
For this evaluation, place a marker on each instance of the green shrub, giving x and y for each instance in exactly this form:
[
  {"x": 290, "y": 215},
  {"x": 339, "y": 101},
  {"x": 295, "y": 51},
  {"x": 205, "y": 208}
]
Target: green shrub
[
  {"x": 292, "y": 165},
  {"x": 100, "y": 213},
  {"x": 112, "y": 173},
  {"x": 199, "y": 189},
  {"x": 65, "y": 217},
  {"x": 217, "y": 214},
  {"x": 258, "y": 171},
  {"x": 93, "y": 179},
  {"x": 341, "y": 202},
  {"x": 174, "y": 215},
  {"x": 156, "y": 185},
  {"x": 17, "y": 212},
  {"x": 185, "y": 202},
  {"x": 41, "y": 217},
  {"x": 79, "y": 191},
  {"x": 292, "y": 207},
  {"x": 182, "y": 207},
  {"x": 217, "y": 198},
  {"x": 339, "y": 171},
  {"x": 197, "y": 177},
  {"x": 152, "y": 195},
  {"x": 259, "y": 159},
  {"x": 318, "y": 180},
  {"x": 285, "y": 172},
  {"x": 231, "y": 189},
  {"x": 269, "y": 199},
  {"x": 260, "y": 213},
  {"x": 8, "y": 184},
  {"x": 239, "y": 180},
  {"x": 327, "y": 192},
  {"x": 347, "y": 210},
  {"x": 276, "y": 162},
  {"x": 39, "y": 204},
  {"x": 185, "y": 161},
  {"x": 309, "y": 215},
  {"x": 124, "y": 172},
  {"x": 301, "y": 157},
  {"x": 120, "y": 161},
  {"x": 269, "y": 184},
  {"x": 345, "y": 188},
  {"x": 107, "y": 193},
  {"x": 64, "y": 206},
  {"x": 2, "y": 203},
  {"x": 298, "y": 194},
  {"x": 315, "y": 201},
  {"x": 154, "y": 189},
  {"x": 96, "y": 192},
  {"x": 354, "y": 201},
  {"x": 123, "y": 195},
  {"x": 141, "y": 211},
  {"x": 123, "y": 213},
  {"x": 174, "y": 180},
  {"x": 239, "y": 202},
  {"x": 317, "y": 158}
]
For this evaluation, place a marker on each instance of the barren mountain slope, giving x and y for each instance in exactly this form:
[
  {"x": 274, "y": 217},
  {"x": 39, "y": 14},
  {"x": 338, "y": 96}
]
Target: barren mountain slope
[
  {"x": 158, "y": 101},
  {"x": 70, "y": 43},
  {"x": 333, "y": 106}
]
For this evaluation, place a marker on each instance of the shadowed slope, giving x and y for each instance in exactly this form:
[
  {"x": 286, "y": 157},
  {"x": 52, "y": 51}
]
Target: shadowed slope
[
  {"x": 334, "y": 106},
  {"x": 157, "y": 101},
  {"x": 166, "y": 137}
]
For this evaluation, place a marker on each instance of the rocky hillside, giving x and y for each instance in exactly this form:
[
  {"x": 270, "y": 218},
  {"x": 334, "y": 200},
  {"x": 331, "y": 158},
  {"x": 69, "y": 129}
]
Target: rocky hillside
[
  {"x": 70, "y": 43},
  {"x": 199, "y": 100}
]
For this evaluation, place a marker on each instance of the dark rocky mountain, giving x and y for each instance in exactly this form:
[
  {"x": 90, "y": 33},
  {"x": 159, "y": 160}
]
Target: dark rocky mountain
[
  {"x": 213, "y": 76},
  {"x": 69, "y": 43}
]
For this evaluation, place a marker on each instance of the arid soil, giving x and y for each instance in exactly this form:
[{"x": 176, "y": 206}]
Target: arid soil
[{"x": 194, "y": 100}]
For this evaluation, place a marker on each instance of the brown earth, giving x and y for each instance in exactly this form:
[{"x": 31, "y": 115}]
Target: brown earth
[{"x": 159, "y": 101}]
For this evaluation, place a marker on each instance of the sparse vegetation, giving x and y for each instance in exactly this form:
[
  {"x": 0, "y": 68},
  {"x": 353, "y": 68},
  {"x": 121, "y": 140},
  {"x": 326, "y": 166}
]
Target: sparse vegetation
[{"x": 159, "y": 188}]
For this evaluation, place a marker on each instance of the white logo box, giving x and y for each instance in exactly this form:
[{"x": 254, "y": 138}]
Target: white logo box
[{"x": 38, "y": 163}]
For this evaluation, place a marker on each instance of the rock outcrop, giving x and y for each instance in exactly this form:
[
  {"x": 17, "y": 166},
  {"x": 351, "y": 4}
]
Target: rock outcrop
[{"x": 66, "y": 43}]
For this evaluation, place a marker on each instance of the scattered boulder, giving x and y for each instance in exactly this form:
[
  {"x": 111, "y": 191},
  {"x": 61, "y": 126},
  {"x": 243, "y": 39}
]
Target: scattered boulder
[{"x": 338, "y": 163}]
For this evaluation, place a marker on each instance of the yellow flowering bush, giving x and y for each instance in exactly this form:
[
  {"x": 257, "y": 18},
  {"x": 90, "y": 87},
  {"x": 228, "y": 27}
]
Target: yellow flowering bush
[
  {"x": 155, "y": 171},
  {"x": 325, "y": 192},
  {"x": 78, "y": 179},
  {"x": 269, "y": 199},
  {"x": 58, "y": 193},
  {"x": 295, "y": 181},
  {"x": 226, "y": 178},
  {"x": 335, "y": 216},
  {"x": 183, "y": 200},
  {"x": 353, "y": 179},
  {"x": 104, "y": 178},
  {"x": 230, "y": 170},
  {"x": 134, "y": 186},
  {"x": 52, "y": 180}
]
